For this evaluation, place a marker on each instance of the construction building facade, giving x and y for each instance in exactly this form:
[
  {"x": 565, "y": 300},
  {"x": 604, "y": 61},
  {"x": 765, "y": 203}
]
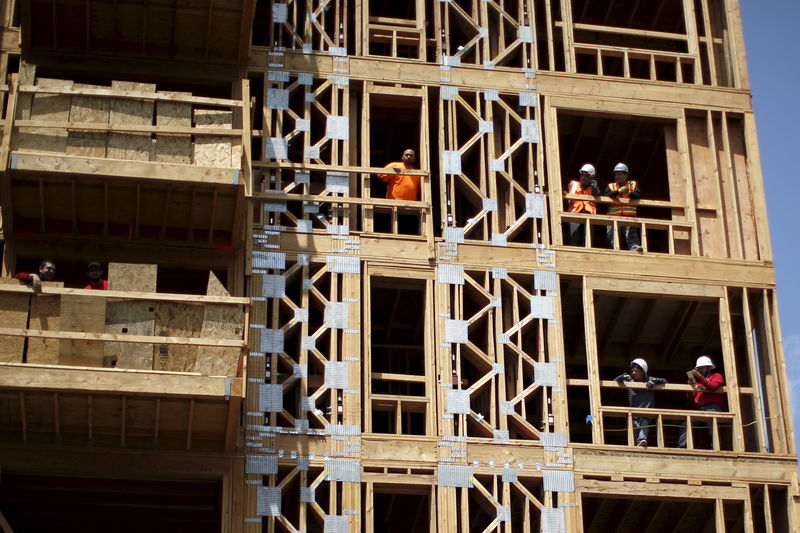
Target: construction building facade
[{"x": 284, "y": 348}]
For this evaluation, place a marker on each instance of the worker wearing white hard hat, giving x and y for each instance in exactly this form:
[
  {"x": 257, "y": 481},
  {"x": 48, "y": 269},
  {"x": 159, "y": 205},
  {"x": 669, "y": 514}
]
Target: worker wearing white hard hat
[
  {"x": 585, "y": 185},
  {"x": 624, "y": 187},
  {"x": 705, "y": 397},
  {"x": 641, "y": 398}
]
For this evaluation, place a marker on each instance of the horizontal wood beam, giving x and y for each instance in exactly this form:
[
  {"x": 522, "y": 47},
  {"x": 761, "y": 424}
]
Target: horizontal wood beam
[
  {"x": 113, "y": 337},
  {"x": 127, "y": 128},
  {"x": 133, "y": 95},
  {"x": 632, "y": 489},
  {"x": 349, "y": 169},
  {"x": 384, "y": 202},
  {"x": 150, "y": 296},
  {"x": 656, "y": 288},
  {"x": 117, "y": 380},
  {"x": 60, "y": 164}
]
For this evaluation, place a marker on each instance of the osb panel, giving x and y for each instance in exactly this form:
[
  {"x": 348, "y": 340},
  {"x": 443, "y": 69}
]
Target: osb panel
[
  {"x": 209, "y": 150},
  {"x": 47, "y": 107},
  {"x": 134, "y": 147},
  {"x": 742, "y": 181},
  {"x": 88, "y": 109},
  {"x": 711, "y": 230},
  {"x": 677, "y": 188},
  {"x": 131, "y": 317},
  {"x": 132, "y": 277},
  {"x": 44, "y": 315},
  {"x": 177, "y": 320},
  {"x": 13, "y": 314},
  {"x": 86, "y": 314},
  {"x": 174, "y": 148},
  {"x": 219, "y": 322}
]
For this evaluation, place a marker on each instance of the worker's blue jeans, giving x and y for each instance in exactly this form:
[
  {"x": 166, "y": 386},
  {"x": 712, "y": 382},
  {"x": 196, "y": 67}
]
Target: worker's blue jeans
[{"x": 701, "y": 425}]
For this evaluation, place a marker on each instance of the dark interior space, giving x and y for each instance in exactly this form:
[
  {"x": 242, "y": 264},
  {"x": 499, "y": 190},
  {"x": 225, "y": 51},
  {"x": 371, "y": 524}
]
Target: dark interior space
[
  {"x": 604, "y": 141},
  {"x": 400, "y": 509},
  {"x": 397, "y": 333},
  {"x": 397, "y": 315},
  {"x": 36, "y": 503},
  {"x": 656, "y": 15},
  {"x": 648, "y": 515}
]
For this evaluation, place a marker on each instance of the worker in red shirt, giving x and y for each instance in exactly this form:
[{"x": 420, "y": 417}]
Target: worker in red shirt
[
  {"x": 704, "y": 396},
  {"x": 46, "y": 272},
  {"x": 96, "y": 281},
  {"x": 402, "y": 186}
]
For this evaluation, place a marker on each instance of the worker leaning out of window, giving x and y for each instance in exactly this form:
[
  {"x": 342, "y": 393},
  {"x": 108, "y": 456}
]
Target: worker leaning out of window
[{"x": 401, "y": 186}]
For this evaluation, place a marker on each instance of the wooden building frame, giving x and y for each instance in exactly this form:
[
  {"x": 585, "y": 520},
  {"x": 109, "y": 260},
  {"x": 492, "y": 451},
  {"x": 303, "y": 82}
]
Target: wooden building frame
[{"x": 356, "y": 363}]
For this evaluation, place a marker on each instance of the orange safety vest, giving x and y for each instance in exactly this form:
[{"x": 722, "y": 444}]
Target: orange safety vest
[
  {"x": 625, "y": 210},
  {"x": 579, "y": 206}
]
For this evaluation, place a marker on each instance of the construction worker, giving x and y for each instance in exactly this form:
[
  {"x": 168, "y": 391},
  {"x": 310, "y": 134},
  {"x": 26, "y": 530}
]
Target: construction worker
[
  {"x": 46, "y": 272},
  {"x": 94, "y": 271},
  {"x": 641, "y": 398},
  {"x": 622, "y": 187},
  {"x": 703, "y": 397},
  {"x": 585, "y": 184},
  {"x": 401, "y": 186}
]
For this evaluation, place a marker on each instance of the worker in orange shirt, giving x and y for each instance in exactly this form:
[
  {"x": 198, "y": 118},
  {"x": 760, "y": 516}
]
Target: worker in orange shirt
[
  {"x": 402, "y": 186},
  {"x": 585, "y": 184}
]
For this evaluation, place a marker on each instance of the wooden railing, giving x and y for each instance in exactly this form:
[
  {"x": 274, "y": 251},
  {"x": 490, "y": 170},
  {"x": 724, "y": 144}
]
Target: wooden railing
[
  {"x": 133, "y": 330},
  {"x": 130, "y": 122},
  {"x": 654, "y": 57},
  {"x": 312, "y": 190},
  {"x": 659, "y": 419},
  {"x": 681, "y": 238},
  {"x": 396, "y": 33}
]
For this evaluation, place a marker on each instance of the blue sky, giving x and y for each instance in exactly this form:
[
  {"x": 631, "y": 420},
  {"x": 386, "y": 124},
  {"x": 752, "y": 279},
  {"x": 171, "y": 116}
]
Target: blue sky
[{"x": 773, "y": 55}]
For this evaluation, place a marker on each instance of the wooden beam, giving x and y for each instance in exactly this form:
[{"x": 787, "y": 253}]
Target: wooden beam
[
  {"x": 143, "y": 170},
  {"x": 28, "y": 377},
  {"x": 113, "y": 337},
  {"x": 156, "y": 297}
]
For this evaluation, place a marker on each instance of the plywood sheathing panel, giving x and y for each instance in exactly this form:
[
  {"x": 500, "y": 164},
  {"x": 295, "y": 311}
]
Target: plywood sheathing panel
[
  {"x": 177, "y": 320},
  {"x": 219, "y": 322},
  {"x": 13, "y": 314},
  {"x": 49, "y": 107},
  {"x": 213, "y": 151},
  {"x": 174, "y": 148},
  {"x": 738, "y": 155},
  {"x": 135, "y": 147},
  {"x": 132, "y": 277},
  {"x": 711, "y": 230},
  {"x": 44, "y": 315},
  {"x": 130, "y": 317},
  {"x": 88, "y": 109},
  {"x": 85, "y": 314}
]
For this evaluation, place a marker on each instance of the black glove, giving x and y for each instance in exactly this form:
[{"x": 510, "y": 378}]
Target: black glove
[{"x": 622, "y": 377}]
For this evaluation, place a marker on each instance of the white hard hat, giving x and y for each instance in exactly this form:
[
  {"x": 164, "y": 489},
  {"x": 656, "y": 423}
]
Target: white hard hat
[
  {"x": 640, "y": 362},
  {"x": 704, "y": 360},
  {"x": 621, "y": 167},
  {"x": 588, "y": 168}
]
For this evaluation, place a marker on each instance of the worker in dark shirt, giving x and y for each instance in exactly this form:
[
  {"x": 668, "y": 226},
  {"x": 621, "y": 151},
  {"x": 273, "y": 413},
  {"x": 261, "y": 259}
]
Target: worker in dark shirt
[{"x": 641, "y": 398}]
